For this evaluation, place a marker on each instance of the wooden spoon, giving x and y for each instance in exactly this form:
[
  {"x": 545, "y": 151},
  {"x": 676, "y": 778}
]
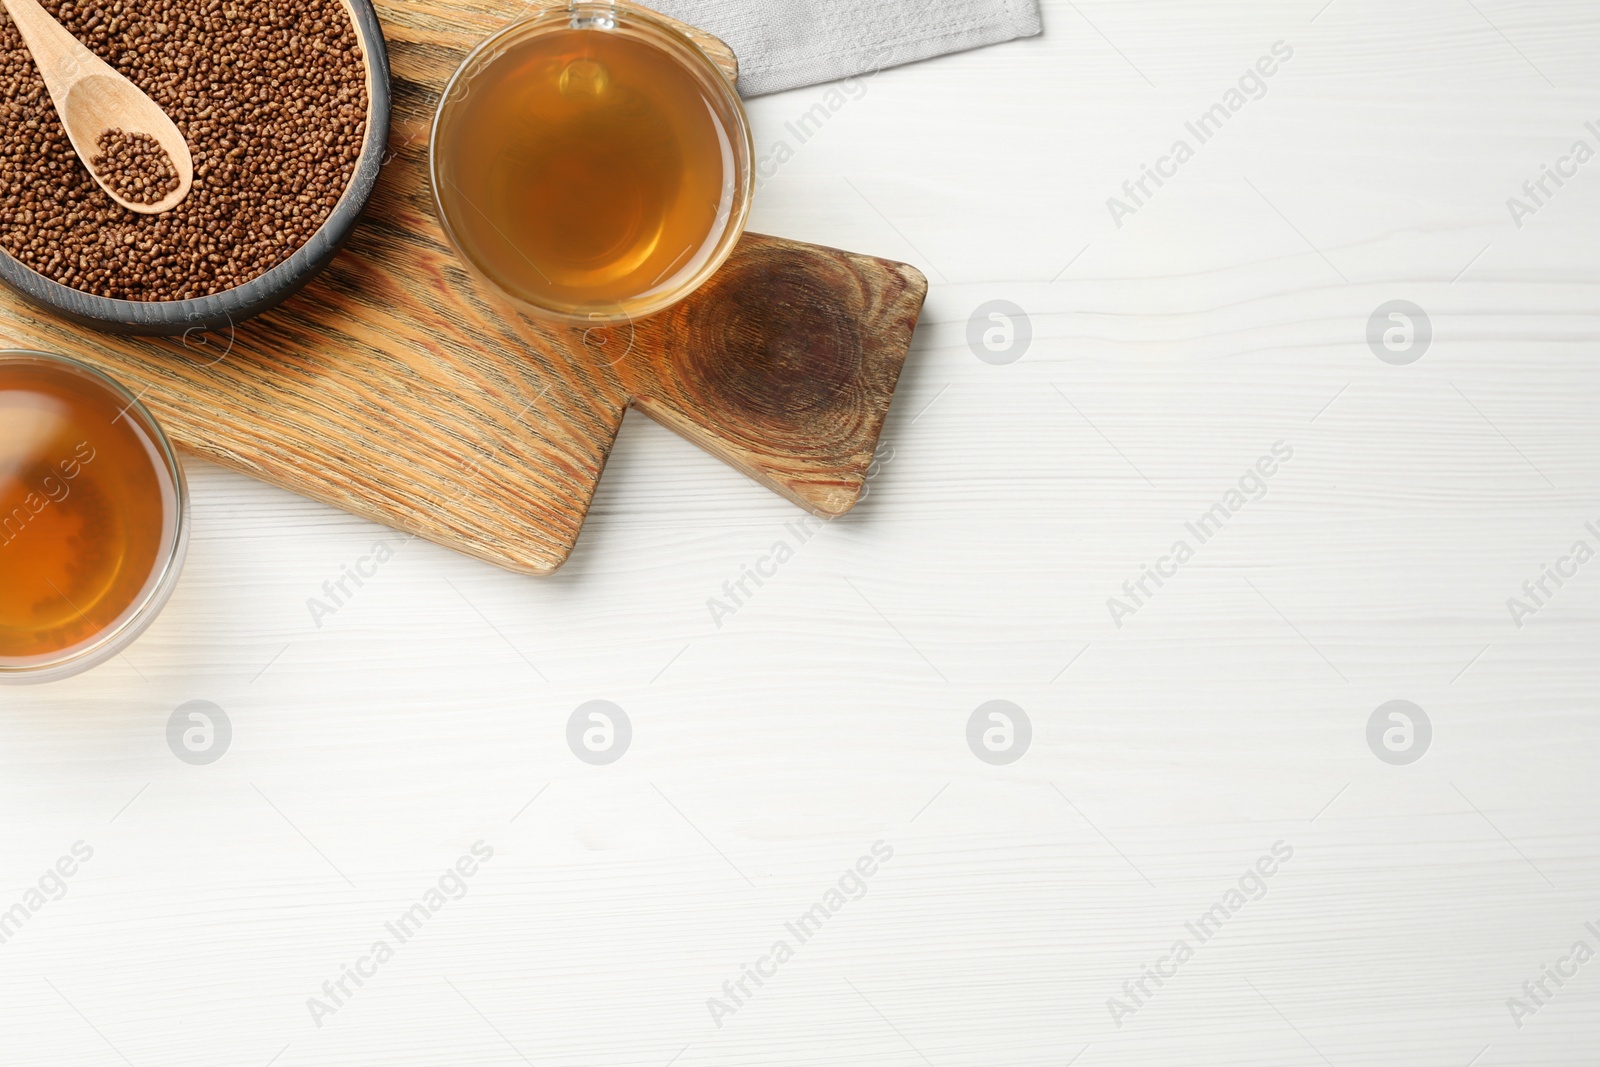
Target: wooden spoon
[{"x": 91, "y": 98}]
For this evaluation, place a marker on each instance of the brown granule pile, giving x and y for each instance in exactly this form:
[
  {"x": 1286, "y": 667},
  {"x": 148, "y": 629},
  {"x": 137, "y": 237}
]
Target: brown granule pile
[
  {"x": 136, "y": 167},
  {"x": 271, "y": 97}
]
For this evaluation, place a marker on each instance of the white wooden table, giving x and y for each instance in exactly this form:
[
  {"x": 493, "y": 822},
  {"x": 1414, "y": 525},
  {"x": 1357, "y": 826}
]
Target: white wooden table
[{"x": 1227, "y": 714}]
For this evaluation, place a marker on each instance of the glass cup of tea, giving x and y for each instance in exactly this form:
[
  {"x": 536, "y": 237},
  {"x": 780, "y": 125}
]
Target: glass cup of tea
[
  {"x": 592, "y": 163},
  {"x": 93, "y": 517}
]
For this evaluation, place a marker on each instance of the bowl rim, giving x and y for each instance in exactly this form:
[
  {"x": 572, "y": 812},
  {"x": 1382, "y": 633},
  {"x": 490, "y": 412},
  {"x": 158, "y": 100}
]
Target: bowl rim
[
  {"x": 232, "y": 306},
  {"x": 654, "y": 23},
  {"x": 144, "y": 609}
]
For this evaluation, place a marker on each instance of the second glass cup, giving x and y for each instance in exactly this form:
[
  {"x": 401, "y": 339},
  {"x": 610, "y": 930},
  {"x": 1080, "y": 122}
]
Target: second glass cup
[
  {"x": 593, "y": 163},
  {"x": 93, "y": 517}
]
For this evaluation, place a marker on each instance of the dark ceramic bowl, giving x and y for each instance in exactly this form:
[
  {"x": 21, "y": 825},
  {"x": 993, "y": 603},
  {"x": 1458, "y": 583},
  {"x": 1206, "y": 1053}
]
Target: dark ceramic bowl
[{"x": 233, "y": 306}]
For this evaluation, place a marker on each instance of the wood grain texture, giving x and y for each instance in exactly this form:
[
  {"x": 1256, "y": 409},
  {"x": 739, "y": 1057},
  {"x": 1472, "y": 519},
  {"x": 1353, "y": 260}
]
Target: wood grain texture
[{"x": 397, "y": 387}]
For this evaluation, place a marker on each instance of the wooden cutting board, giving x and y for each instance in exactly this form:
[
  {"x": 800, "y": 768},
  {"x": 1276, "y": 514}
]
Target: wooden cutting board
[{"x": 396, "y": 387}]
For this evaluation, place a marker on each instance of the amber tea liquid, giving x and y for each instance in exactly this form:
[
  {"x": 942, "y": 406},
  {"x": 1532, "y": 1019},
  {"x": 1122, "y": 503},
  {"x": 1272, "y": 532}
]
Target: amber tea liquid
[
  {"x": 87, "y": 510},
  {"x": 582, "y": 170}
]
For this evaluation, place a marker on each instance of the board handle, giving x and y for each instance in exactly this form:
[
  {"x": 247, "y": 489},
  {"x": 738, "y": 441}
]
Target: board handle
[{"x": 783, "y": 365}]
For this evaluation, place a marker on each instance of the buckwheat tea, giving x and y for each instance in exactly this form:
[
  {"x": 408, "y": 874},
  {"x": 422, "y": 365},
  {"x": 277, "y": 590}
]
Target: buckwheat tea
[
  {"x": 585, "y": 170},
  {"x": 87, "y": 507}
]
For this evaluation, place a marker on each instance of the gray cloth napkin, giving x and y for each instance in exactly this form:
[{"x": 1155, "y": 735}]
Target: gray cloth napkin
[{"x": 784, "y": 44}]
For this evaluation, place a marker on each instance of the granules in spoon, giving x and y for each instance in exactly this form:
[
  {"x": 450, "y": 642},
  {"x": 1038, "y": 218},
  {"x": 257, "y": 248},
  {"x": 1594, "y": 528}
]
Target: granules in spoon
[{"x": 135, "y": 166}]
